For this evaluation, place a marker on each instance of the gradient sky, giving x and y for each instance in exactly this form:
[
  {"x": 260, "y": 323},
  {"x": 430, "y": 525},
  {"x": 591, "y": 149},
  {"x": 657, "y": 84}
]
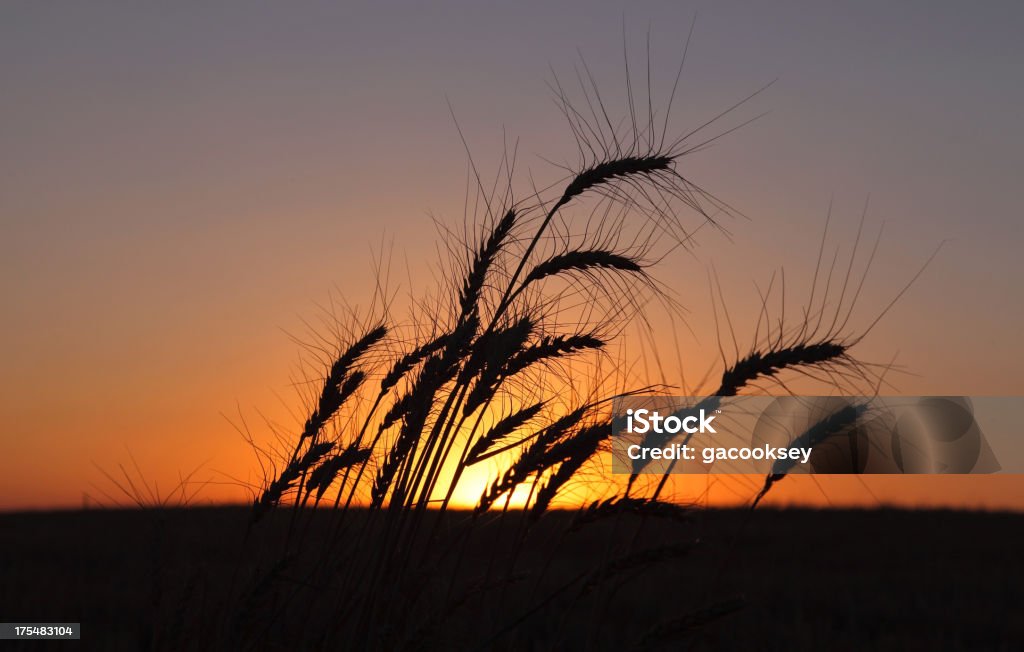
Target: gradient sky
[{"x": 181, "y": 185}]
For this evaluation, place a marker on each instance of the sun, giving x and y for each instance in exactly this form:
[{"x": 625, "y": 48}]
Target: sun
[{"x": 476, "y": 479}]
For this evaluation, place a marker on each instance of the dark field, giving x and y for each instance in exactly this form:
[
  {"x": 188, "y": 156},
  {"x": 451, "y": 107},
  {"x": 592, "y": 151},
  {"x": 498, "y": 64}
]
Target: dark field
[{"x": 837, "y": 580}]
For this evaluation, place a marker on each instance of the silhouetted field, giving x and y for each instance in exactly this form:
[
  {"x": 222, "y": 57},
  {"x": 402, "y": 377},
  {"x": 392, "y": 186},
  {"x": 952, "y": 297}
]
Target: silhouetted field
[{"x": 808, "y": 579}]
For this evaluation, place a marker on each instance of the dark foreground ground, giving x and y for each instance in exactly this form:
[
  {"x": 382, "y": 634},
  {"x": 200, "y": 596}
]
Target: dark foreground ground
[{"x": 809, "y": 580}]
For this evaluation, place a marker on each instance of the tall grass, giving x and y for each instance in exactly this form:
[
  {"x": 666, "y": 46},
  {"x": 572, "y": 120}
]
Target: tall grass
[{"x": 505, "y": 368}]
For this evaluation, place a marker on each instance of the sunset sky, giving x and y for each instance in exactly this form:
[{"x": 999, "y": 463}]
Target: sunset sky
[{"x": 182, "y": 186}]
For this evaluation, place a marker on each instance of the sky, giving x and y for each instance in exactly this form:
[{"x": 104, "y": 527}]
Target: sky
[{"x": 183, "y": 186}]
